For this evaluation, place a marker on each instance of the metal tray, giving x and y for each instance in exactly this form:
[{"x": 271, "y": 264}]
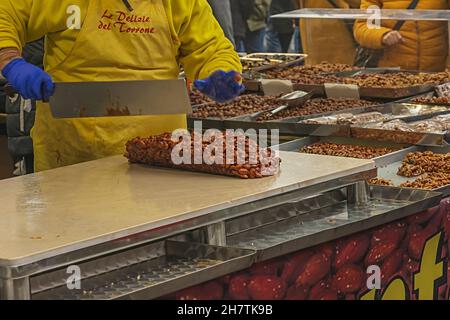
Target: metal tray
[
  {"x": 321, "y": 130},
  {"x": 215, "y": 118},
  {"x": 402, "y": 111},
  {"x": 286, "y": 128},
  {"x": 379, "y": 93},
  {"x": 255, "y": 116},
  {"x": 430, "y": 94},
  {"x": 294, "y": 226},
  {"x": 146, "y": 272},
  {"x": 416, "y": 138},
  {"x": 300, "y": 58},
  {"x": 390, "y": 171},
  {"x": 398, "y": 155}
]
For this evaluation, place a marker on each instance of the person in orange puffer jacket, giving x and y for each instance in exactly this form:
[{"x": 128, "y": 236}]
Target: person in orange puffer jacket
[{"x": 419, "y": 45}]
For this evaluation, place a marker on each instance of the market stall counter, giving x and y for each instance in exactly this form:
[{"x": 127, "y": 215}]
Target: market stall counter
[{"x": 139, "y": 232}]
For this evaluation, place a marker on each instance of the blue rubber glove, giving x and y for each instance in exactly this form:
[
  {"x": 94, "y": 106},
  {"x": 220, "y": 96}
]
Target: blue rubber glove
[
  {"x": 28, "y": 80},
  {"x": 221, "y": 86}
]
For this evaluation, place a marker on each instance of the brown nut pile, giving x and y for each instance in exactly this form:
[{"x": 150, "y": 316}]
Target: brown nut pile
[
  {"x": 432, "y": 100},
  {"x": 346, "y": 150},
  {"x": 157, "y": 151},
  {"x": 398, "y": 80},
  {"x": 418, "y": 163},
  {"x": 310, "y": 79},
  {"x": 315, "y": 74},
  {"x": 429, "y": 181},
  {"x": 247, "y": 104},
  {"x": 199, "y": 98},
  {"x": 381, "y": 182},
  {"x": 316, "y": 106}
]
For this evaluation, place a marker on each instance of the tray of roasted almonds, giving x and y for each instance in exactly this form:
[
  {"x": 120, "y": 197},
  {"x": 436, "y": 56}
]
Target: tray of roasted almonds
[
  {"x": 317, "y": 106},
  {"x": 308, "y": 78},
  {"x": 381, "y": 153},
  {"x": 429, "y": 170},
  {"x": 388, "y": 85},
  {"x": 241, "y": 106}
]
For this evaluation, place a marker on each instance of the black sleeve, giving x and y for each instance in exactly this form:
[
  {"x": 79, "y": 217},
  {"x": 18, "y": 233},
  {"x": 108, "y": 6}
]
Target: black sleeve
[{"x": 34, "y": 53}]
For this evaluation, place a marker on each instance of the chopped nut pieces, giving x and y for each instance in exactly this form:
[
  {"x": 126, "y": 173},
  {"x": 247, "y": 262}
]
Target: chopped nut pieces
[
  {"x": 157, "y": 151},
  {"x": 346, "y": 150}
]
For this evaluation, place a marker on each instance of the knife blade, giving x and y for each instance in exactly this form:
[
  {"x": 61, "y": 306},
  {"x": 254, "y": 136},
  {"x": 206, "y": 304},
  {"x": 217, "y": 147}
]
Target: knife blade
[{"x": 120, "y": 98}]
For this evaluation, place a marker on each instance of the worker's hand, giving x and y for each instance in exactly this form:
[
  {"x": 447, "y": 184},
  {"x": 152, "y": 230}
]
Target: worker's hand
[
  {"x": 392, "y": 38},
  {"x": 28, "y": 80},
  {"x": 221, "y": 86}
]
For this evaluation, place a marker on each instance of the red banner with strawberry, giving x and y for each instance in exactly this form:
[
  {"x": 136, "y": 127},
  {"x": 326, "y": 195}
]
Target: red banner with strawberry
[{"x": 404, "y": 260}]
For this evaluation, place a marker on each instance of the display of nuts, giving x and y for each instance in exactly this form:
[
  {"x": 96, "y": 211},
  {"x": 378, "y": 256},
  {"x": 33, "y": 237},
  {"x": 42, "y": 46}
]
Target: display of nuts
[
  {"x": 243, "y": 105},
  {"x": 310, "y": 74},
  {"x": 316, "y": 106},
  {"x": 398, "y": 79},
  {"x": 157, "y": 151},
  {"x": 346, "y": 150},
  {"x": 417, "y": 163},
  {"x": 199, "y": 98},
  {"x": 429, "y": 181}
]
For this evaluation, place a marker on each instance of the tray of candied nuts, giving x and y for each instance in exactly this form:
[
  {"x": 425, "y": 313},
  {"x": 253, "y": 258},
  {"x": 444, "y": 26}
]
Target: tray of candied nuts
[
  {"x": 381, "y": 153},
  {"x": 424, "y": 169}
]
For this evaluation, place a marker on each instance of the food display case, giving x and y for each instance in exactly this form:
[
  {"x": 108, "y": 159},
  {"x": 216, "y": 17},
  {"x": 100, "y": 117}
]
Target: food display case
[
  {"x": 399, "y": 120},
  {"x": 362, "y": 194},
  {"x": 133, "y": 235}
]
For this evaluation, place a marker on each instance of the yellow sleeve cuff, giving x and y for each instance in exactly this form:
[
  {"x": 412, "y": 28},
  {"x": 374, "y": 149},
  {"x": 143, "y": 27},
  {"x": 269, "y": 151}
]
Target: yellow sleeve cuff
[{"x": 9, "y": 44}]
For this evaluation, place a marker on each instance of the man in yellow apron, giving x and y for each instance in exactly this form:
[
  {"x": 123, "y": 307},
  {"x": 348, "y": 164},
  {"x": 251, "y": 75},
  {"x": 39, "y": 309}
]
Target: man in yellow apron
[{"x": 116, "y": 40}]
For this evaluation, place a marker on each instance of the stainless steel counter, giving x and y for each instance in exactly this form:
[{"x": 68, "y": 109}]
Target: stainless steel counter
[{"x": 67, "y": 209}]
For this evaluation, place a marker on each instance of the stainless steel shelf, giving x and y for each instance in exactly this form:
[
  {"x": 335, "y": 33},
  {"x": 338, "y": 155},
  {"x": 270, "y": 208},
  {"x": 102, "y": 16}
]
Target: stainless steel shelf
[
  {"x": 145, "y": 273},
  {"x": 292, "y": 227}
]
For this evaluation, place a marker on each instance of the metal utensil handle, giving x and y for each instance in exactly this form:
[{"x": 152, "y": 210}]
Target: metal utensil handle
[{"x": 11, "y": 92}]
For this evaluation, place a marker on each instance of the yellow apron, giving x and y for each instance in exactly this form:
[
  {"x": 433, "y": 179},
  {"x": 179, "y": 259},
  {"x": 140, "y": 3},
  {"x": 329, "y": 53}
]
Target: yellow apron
[{"x": 113, "y": 44}]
